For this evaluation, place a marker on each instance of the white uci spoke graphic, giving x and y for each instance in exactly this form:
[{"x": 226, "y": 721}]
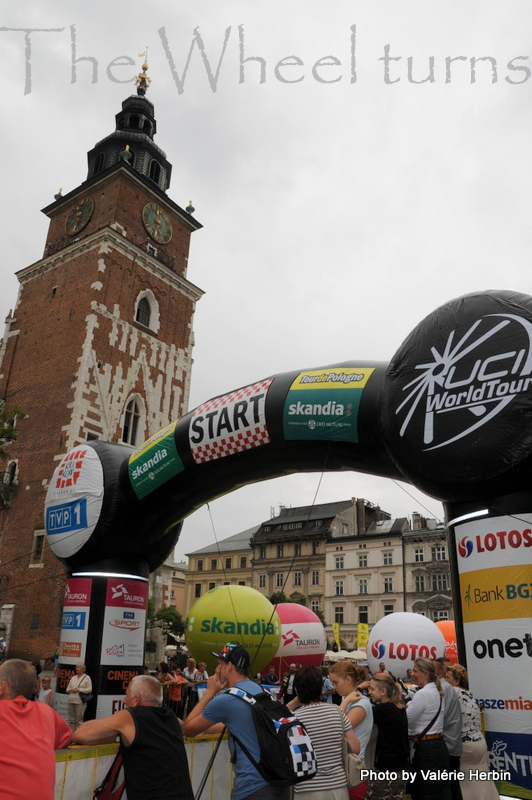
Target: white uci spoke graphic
[{"x": 435, "y": 381}]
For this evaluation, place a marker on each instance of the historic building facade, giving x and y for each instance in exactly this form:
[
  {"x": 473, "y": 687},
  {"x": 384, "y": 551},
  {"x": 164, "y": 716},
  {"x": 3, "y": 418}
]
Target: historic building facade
[
  {"x": 220, "y": 564},
  {"x": 427, "y": 572},
  {"x": 98, "y": 346}
]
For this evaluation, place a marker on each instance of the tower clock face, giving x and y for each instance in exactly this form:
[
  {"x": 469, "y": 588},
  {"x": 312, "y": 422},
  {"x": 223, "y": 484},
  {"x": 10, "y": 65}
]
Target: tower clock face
[
  {"x": 79, "y": 216},
  {"x": 157, "y": 223}
]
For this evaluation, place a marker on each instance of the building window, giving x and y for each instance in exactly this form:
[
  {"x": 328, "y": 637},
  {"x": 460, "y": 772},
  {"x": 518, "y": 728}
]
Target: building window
[
  {"x": 280, "y": 550},
  {"x": 388, "y": 585},
  {"x": 200, "y": 565},
  {"x": 228, "y": 563},
  {"x": 155, "y": 172},
  {"x": 438, "y": 553},
  {"x": 213, "y": 563},
  {"x": 345, "y": 528},
  {"x": 243, "y": 562},
  {"x": 387, "y": 559},
  {"x": 339, "y": 562},
  {"x": 338, "y": 587},
  {"x": 197, "y": 590},
  {"x": 297, "y": 578},
  {"x": 37, "y": 555},
  {"x": 143, "y": 312},
  {"x": 363, "y": 614},
  {"x": 315, "y": 577},
  {"x": 439, "y": 583},
  {"x": 315, "y": 606},
  {"x": 212, "y": 586},
  {"x": 363, "y": 586},
  {"x": 362, "y": 562},
  {"x": 339, "y": 614},
  {"x": 315, "y": 548},
  {"x": 420, "y": 583},
  {"x": 297, "y": 549},
  {"x": 262, "y": 581},
  {"x": 418, "y": 554},
  {"x": 279, "y": 580},
  {"x": 440, "y": 615},
  {"x": 388, "y": 609},
  {"x": 131, "y": 423},
  {"x": 172, "y": 594},
  {"x": 98, "y": 167},
  {"x": 338, "y": 548},
  {"x": 241, "y": 583},
  {"x": 318, "y": 523},
  {"x": 262, "y": 552}
]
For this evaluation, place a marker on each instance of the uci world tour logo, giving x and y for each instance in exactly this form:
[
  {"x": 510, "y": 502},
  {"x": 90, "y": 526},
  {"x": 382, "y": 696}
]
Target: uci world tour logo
[{"x": 471, "y": 381}]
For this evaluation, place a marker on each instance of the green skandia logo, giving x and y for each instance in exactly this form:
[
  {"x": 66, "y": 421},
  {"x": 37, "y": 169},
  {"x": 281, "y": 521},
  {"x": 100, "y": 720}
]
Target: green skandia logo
[
  {"x": 160, "y": 455},
  {"x": 257, "y": 628}
]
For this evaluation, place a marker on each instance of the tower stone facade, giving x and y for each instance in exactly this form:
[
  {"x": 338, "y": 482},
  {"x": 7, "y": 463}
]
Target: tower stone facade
[{"x": 99, "y": 345}]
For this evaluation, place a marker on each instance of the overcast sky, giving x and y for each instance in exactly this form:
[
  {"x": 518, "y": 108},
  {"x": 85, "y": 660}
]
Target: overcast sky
[{"x": 341, "y": 201}]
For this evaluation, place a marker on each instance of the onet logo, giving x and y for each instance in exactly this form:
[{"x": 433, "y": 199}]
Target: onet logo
[
  {"x": 378, "y": 649},
  {"x": 470, "y": 382}
]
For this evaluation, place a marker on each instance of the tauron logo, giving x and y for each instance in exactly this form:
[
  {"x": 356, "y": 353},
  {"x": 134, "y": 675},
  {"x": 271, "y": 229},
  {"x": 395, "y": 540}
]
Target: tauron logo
[
  {"x": 465, "y": 547},
  {"x": 473, "y": 379}
]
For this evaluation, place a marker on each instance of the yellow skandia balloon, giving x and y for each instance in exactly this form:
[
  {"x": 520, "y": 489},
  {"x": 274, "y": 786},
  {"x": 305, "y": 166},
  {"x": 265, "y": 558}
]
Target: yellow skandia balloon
[{"x": 233, "y": 614}]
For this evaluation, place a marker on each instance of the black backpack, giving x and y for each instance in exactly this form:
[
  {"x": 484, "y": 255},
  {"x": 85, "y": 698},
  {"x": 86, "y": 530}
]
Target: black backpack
[{"x": 286, "y": 753}]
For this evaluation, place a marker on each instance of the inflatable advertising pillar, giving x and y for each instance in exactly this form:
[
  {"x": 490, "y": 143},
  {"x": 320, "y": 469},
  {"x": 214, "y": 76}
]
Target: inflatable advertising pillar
[{"x": 451, "y": 414}]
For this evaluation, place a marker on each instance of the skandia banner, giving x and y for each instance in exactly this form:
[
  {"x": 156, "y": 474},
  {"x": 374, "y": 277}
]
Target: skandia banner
[
  {"x": 155, "y": 462},
  {"x": 458, "y": 396},
  {"x": 494, "y": 565},
  {"x": 323, "y": 404}
]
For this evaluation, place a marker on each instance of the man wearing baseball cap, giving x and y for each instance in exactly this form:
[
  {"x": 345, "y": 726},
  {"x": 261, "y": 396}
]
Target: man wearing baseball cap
[{"x": 214, "y": 711}]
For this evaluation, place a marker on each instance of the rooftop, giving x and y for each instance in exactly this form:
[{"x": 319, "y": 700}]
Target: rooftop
[{"x": 239, "y": 541}]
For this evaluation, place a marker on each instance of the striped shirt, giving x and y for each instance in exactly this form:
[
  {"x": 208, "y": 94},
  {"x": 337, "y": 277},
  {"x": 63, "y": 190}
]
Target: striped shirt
[{"x": 324, "y": 726}]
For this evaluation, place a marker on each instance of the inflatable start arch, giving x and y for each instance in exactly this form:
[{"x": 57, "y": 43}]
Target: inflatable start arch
[{"x": 451, "y": 414}]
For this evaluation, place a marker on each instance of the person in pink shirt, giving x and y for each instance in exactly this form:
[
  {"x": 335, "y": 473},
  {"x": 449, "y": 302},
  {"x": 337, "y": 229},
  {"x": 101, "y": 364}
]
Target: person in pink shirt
[{"x": 29, "y": 735}]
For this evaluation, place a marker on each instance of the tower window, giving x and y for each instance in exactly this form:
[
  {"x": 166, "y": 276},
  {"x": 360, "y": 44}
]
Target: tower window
[
  {"x": 133, "y": 121},
  {"x": 99, "y": 163},
  {"x": 143, "y": 312},
  {"x": 131, "y": 422},
  {"x": 147, "y": 127},
  {"x": 155, "y": 171}
]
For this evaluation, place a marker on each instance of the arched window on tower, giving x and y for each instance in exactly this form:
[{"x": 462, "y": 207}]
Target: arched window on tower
[
  {"x": 134, "y": 121},
  {"x": 147, "y": 127},
  {"x": 143, "y": 312},
  {"x": 155, "y": 171},
  {"x": 131, "y": 423},
  {"x": 98, "y": 167}
]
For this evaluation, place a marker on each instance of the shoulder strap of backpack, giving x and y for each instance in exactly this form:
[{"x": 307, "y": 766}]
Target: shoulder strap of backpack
[{"x": 248, "y": 698}]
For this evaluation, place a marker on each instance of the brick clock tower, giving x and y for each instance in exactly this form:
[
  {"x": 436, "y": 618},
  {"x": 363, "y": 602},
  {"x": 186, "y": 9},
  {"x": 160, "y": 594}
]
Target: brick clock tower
[{"x": 99, "y": 346}]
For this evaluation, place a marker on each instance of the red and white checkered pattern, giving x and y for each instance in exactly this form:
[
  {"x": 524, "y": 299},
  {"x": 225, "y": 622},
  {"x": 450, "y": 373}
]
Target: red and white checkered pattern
[
  {"x": 239, "y": 394},
  {"x": 238, "y": 441}
]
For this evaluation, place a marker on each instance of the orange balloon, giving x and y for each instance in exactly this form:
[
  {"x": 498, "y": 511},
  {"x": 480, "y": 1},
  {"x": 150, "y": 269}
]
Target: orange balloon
[{"x": 448, "y": 629}]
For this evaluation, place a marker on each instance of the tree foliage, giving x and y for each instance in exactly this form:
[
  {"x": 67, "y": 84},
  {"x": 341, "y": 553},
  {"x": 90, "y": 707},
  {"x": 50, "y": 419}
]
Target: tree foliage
[
  {"x": 8, "y": 427},
  {"x": 169, "y": 620}
]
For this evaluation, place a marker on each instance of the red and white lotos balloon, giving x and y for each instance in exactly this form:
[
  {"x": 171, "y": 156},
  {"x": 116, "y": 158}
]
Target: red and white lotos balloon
[
  {"x": 303, "y": 639},
  {"x": 398, "y": 639}
]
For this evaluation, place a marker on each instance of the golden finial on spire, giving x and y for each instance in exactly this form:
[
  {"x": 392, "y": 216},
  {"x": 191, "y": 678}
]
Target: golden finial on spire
[{"x": 143, "y": 81}]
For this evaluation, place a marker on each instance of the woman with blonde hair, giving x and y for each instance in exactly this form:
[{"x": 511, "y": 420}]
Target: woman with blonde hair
[
  {"x": 425, "y": 727},
  {"x": 346, "y": 677},
  {"x": 474, "y": 749},
  {"x": 392, "y": 753}
]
